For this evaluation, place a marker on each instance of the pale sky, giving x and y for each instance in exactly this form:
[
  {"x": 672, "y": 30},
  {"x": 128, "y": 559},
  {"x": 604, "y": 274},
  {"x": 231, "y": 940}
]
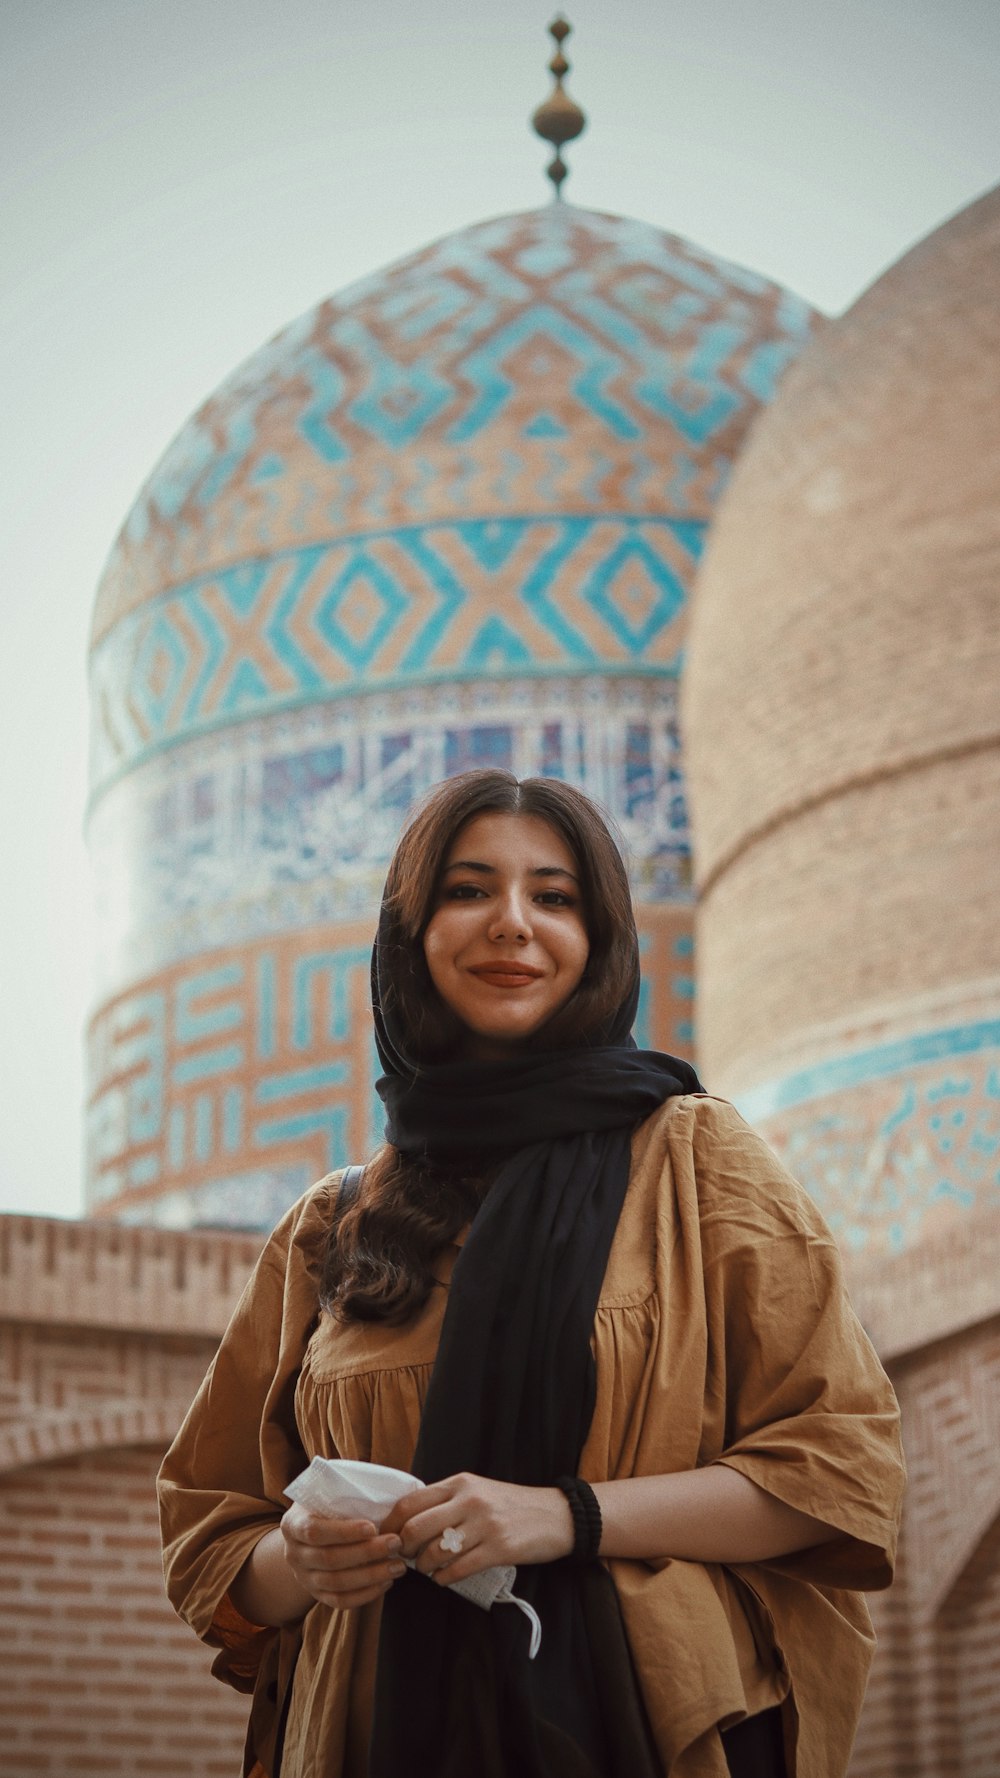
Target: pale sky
[{"x": 179, "y": 180}]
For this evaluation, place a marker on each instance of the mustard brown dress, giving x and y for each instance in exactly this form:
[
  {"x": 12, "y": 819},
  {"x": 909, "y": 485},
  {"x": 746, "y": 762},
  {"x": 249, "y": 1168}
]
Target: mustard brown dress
[{"x": 723, "y": 1334}]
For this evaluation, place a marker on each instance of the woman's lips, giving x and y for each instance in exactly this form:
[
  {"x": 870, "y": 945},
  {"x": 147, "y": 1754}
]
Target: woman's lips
[{"x": 506, "y": 975}]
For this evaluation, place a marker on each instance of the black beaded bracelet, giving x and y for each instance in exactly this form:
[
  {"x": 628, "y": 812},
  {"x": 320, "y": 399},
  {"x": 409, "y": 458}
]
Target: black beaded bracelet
[{"x": 587, "y": 1526}]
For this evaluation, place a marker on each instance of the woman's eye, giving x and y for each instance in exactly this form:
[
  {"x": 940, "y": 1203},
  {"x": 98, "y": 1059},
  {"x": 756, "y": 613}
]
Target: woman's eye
[{"x": 547, "y": 898}]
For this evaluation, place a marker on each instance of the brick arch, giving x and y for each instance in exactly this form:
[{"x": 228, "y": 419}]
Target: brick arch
[
  {"x": 979, "y": 1571},
  {"x": 967, "y": 1636},
  {"x": 47, "y": 1437},
  {"x": 980, "y": 1535}
]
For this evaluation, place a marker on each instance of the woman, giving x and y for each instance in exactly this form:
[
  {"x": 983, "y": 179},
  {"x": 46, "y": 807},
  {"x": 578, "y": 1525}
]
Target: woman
[{"x": 586, "y": 1306}]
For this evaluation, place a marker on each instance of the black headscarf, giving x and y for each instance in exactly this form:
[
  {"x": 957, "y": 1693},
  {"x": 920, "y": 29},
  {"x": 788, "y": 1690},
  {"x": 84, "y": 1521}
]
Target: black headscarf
[{"x": 511, "y": 1396}]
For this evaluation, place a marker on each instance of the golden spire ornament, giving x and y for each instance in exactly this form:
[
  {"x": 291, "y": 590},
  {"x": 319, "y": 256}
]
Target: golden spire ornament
[{"x": 559, "y": 119}]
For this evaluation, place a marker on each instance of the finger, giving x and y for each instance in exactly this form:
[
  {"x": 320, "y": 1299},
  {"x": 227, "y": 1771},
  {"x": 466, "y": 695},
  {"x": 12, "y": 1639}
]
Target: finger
[
  {"x": 340, "y": 1581},
  {"x": 342, "y": 1555},
  {"x": 432, "y": 1559},
  {"x": 461, "y": 1567},
  {"x": 325, "y": 1528},
  {"x": 342, "y": 1558},
  {"x": 306, "y": 1521},
  {"x": 349, "y": 1600},
  {"x": 397, "y": 1516},
  {"x": 420, "y": 1501},
  {"x": 455, "y": 1568},
  {"x": 426, "y": 1528}
]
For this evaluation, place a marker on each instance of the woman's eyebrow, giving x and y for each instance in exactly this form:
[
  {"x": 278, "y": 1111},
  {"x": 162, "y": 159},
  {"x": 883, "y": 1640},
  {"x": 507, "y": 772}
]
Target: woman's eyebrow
[{"x": 490, "y": 870}]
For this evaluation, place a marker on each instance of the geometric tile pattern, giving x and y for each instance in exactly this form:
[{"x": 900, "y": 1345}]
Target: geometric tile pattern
[
  {"x": 222, "y": 1087},
  {"x": 451, "y": 516},
  {"x": 555, "y": 362},
  {"x": 896, "y": 1140},
  {"x": 289, "y": 822},
  {"x": 250, "y": 1058},
  {"x": 474, "y": 599}
]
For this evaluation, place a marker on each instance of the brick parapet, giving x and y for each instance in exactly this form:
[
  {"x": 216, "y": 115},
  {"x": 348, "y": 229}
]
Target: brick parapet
[
  {"x": 154, "y": 1281},
  {"x": 88, "y": 1274}
]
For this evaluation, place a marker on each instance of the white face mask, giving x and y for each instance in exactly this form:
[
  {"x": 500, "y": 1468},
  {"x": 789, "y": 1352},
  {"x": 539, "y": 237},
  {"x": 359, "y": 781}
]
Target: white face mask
[{"x": 348, "y": 1490}]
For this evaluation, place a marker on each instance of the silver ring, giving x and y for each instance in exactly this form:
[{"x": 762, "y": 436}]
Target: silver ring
[{"x": 452, "y": 1540}]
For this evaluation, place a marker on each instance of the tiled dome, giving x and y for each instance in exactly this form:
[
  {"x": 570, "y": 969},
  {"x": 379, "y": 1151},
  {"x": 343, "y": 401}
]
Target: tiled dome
[{"x": 450, "y": 516}]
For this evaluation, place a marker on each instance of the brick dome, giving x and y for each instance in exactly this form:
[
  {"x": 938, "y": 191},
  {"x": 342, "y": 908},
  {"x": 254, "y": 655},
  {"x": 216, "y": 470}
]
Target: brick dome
[
  {"x": 449, "y": 517},
  {"x": 841, "y": 719}
]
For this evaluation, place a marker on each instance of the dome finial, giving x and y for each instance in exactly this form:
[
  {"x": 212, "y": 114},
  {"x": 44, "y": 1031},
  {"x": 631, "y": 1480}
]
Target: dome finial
[{"x": 558, "y": 119}]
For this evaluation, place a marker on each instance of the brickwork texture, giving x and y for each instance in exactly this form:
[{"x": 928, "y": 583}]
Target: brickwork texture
[
  {"x": 846, "y": 815},
  {"x": 100, "y": 1676},
  {"x": 846, "y": 821}
]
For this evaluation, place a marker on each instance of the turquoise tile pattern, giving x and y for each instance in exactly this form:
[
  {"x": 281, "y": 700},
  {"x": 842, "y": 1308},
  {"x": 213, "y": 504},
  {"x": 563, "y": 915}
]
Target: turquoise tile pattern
[
  {"x": 892, "y": 1139},
  {"x": 451, "y": 516}
]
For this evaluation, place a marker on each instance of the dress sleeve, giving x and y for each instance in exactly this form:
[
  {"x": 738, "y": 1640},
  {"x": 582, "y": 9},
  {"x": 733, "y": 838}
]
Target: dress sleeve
[
  {"x": 810, "y": 1414},
  {"x": 221, "y": 1485}
]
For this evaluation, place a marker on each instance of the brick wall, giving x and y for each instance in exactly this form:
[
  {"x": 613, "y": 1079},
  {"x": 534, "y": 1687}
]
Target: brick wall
[
  {"x": 933, "y": 1707},
  {"x": 105, "y": 1334},
  {"x": 99, "y": 1676}
]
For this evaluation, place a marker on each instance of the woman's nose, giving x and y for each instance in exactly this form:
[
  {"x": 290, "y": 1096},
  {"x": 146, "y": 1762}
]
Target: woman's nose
[{"x": 510, "y": 918}]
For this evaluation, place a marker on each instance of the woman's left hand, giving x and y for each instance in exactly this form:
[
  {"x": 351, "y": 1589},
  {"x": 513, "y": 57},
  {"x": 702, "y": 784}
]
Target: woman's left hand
[{"x": 498, "y": 1523}]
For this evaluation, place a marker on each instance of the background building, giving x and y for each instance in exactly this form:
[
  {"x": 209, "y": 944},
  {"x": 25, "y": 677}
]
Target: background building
[
  {"x": 847, "y": 833},
  {"x": 849, "y": 625}
]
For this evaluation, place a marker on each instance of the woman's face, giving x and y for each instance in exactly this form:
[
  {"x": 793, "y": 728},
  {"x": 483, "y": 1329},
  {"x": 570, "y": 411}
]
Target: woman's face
[{"x": 506, "y": 944}]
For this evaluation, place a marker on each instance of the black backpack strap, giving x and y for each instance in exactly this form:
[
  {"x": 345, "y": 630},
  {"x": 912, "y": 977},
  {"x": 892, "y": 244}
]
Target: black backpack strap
[
  {"x": 265, "y": 1746},
  {"x": 350, "y": 1181}
]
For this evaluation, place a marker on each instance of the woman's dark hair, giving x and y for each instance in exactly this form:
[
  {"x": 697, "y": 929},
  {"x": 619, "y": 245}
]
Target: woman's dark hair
[{"x": 379, "y": 1257}]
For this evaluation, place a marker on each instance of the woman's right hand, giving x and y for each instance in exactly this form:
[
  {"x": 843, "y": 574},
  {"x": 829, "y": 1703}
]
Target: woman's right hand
[{"x": 341, "y": 1562}]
